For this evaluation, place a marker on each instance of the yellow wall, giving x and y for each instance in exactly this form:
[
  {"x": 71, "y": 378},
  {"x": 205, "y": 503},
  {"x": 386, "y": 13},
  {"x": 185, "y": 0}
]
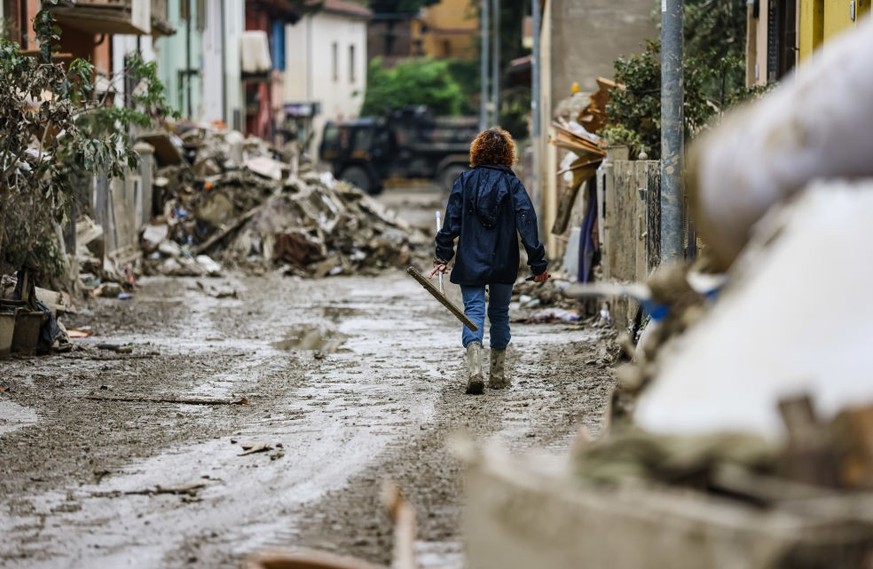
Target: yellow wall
[
  {"x": 450, "y": 30},
  {"x": 821, "y": 20}
]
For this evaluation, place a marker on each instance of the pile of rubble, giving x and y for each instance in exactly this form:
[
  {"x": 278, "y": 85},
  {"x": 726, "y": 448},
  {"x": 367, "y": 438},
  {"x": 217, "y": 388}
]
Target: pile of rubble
[
  {"x": 252, "y": 206},
  {"x": 545, "y": 303}
]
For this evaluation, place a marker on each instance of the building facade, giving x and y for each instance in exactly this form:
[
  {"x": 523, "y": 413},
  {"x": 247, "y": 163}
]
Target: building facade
[
  {"x": 782, "y": 33},
  {"x": 448, "y": 30},
  {"x": 325, "y": 69},
  {"x": 580, "y": 41},
  {"x": 201, "y": 66}
]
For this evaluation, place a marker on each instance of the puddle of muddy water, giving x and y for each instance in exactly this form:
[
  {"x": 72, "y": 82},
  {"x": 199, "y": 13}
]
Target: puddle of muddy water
[
  {"x": 14, "y": 416},
  {"x": 312, "y": 338}
]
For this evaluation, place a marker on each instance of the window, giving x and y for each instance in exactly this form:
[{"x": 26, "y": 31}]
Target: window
[
  {"x": 352, "y": 77},
  {"x": 781, "y": 38},
  {"x": 335, "y": 49}
]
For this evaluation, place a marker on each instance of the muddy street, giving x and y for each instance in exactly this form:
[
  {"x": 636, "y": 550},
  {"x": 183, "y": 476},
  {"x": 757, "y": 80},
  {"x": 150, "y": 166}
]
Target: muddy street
[{"x": 149, "y": 459}]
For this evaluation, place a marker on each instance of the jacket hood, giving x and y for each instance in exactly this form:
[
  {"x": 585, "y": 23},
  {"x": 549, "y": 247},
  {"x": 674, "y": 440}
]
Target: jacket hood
[{"x": 490, "y": 185}]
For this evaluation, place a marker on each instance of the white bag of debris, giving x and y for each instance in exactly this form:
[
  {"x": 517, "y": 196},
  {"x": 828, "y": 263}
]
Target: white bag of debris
[
  {"x": 815, "y": 125},
  {"x": 793, "y": 320}
]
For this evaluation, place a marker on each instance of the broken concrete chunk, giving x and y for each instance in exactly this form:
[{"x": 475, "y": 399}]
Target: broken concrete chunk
[
  {"x": 110, "y": 290},
  {"x": 801, "y": 332},
  {"x": 180, "y": 267},
  {"x": 261, "y": 215},
  {"x": 170, "y": 249},
  {"x": 217, "y": 208},
  {"x": 167, "y": 151},
  {"x": 154, "y": 234},
  {"x": 267, "y": 167},
  {"x": 254, "y": 447},
  {"x": 58, "y": 302},
  {"x": 87, "y": 231},
  {"x": 212, "y": 268}
]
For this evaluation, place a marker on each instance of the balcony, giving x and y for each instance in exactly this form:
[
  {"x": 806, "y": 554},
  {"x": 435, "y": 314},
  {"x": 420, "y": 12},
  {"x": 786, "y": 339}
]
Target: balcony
[{"x": 138, "y": 17}]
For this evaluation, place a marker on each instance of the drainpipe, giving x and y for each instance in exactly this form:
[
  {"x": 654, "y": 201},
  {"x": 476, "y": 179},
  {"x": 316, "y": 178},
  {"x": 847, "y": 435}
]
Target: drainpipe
[
  {"x": 535, "y": 75},
  {"x": 188, "y": 58},
  {"x": 227, "y": 119},
  {"x": 484, "y": 48},
  {"x": 672, "y": 131},
  {"x": 535, "y": 67}
]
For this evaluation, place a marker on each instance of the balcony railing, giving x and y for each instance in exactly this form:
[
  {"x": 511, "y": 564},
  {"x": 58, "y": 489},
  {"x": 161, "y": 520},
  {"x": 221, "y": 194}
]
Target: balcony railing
[{"x": 139, "y": 17}]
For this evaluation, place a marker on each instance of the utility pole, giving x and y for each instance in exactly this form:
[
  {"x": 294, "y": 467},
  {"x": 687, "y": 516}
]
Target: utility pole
[
  {"x": 484, "y": 48},
  {"x": 536, "y": 16},
  {"x": 672, "y": 131},
  {"x": 495, "y": 65},
  {"x": 188, "y": 70}
]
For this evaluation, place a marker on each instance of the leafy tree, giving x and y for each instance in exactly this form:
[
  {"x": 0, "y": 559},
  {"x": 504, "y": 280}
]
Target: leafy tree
[
  {"x": 466, "y": 73},
  {"x": 713, "y": 77},
  {"x": 54, "y": 132},
  {"x": 715, "y": 30},
  {"x": 412, "y": 82}
]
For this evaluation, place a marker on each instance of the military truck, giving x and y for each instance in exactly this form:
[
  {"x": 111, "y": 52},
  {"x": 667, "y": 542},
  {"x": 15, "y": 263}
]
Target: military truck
[{"x": 408, "y": 143}]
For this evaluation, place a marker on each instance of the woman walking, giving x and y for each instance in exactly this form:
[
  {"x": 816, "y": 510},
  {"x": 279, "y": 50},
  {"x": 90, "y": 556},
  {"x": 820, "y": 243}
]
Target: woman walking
[{"x": 488, "y": 209}]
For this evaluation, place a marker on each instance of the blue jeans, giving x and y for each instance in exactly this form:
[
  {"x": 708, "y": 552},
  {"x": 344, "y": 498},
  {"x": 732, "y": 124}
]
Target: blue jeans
[{"x": 499, "y": 296}]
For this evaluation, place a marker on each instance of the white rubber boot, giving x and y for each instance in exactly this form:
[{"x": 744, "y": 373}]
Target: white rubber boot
[
  {"x": 497, "y": 376},
  {"x": 475, "y": 383}
]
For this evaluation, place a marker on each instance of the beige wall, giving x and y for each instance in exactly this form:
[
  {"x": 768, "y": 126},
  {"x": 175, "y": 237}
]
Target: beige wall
[
  {"x": 589, "y": 35},
  {"x": 310, "y": 75},
  {"x": 452, "y": 28},
  {"x": 581, "y": 39}
]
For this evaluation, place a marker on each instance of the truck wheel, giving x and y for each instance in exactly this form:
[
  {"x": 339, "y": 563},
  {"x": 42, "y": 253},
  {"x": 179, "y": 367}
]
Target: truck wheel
[
  {"x": 358, "y": 177},
  {"x": 447, "y": 176}
]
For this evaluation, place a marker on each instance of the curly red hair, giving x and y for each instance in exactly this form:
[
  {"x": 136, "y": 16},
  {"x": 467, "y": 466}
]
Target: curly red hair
[{"x": 492, "y": 147}]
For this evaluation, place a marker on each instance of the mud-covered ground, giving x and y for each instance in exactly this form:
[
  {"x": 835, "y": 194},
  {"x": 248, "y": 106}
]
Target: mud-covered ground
[{"x": 136, "y": 460}]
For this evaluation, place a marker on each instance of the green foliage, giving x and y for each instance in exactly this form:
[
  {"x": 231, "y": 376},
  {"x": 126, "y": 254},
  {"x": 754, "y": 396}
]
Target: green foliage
[
  {"x": 713, "y": 77},
  {"x": 466, "y": 74},
  {"x": 515, "y": 111},
  {"x": 715, "y": 30},
  {"x": 635, "y": 111},
  {"x": 54, "y": 133},
  {"x": 413, "y": 82}
]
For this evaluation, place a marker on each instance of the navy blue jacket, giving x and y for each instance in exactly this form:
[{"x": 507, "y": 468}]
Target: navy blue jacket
[{"x": 487, "y": 209}]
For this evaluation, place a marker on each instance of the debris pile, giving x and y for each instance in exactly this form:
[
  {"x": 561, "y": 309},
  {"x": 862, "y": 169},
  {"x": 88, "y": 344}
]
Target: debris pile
[
  {"x": 818, "y": 461},
  {"x": 29, "y": 322},
  {"x": 101, "y": 274},
  {"x": 250, "y": 206},
  {"x": 545, "y": 303},
  {"x": 578, "y": 120},
  {"x": 684, "y": 501}
]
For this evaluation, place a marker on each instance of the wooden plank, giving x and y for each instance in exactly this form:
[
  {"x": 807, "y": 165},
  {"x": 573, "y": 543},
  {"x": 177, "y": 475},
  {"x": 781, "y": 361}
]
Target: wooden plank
[
  {"x": 641, "y": 271},
  {"x": 180, "y": 400},
  {"x": 568, "y": 198},
  {"x": 653, "y": 213},
  {"x": 435, "y": 292},
  {"x": 225, "y": 231}
]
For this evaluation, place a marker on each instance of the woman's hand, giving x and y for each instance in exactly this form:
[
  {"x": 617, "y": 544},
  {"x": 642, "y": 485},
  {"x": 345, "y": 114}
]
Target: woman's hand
[
  {"x": 542, "y": 277},
  {"x": 438, "y": 267}
]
